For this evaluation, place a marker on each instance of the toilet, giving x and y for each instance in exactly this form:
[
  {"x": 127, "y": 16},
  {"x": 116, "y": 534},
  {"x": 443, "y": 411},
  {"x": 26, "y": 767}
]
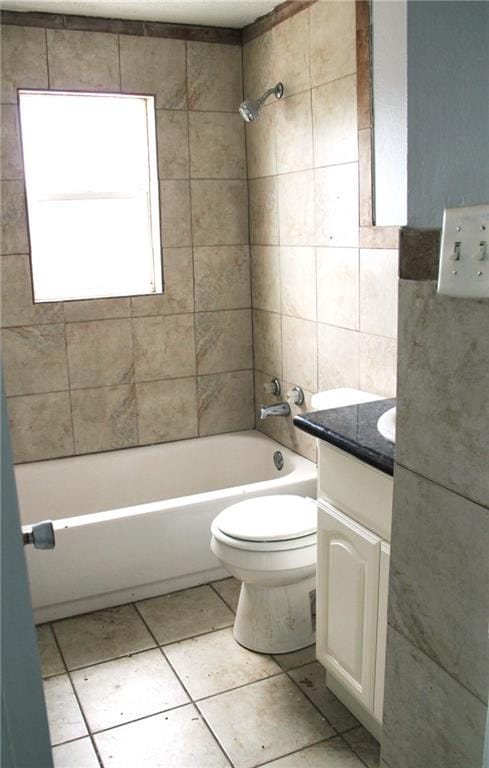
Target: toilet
[{"x": 269, "y": 544}]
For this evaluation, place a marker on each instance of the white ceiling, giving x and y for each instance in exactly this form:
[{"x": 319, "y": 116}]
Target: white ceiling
[{"x": 216, "y": 13}]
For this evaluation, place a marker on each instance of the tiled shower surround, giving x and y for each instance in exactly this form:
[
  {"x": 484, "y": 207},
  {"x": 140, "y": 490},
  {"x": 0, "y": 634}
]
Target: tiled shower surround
[{"x": 104, "y": 374}]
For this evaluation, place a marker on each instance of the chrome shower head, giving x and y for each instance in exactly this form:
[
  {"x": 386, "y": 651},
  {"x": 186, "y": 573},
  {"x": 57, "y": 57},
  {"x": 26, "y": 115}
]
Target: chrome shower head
[{"x": 250, "y": 109}]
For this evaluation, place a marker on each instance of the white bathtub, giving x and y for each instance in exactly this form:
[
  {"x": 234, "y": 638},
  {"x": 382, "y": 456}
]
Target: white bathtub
[{"x": 135, "y": 523}]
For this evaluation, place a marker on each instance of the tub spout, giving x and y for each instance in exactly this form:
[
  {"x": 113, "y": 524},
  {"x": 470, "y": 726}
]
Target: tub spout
[{"x": 277, "y": 409}]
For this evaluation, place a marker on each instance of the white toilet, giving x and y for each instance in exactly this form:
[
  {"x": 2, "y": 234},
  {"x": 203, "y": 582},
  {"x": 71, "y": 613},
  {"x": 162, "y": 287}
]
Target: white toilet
[{"x": 269, "y": 543}]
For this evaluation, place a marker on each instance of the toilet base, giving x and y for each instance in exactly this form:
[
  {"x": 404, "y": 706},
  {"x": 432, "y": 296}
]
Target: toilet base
[{"x": 276, "y": 619}]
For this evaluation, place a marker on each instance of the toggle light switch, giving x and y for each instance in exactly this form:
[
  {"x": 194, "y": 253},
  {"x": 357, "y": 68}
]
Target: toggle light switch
[{"x": 464, "y": 262}]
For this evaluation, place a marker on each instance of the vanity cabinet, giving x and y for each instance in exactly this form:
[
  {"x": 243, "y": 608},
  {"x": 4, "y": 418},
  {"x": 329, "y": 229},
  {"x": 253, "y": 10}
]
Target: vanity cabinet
[{"x": 352, "y": 581}]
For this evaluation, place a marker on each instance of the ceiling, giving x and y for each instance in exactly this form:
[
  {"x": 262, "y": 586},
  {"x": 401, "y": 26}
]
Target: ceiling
[{"x": 215, "y": 13}]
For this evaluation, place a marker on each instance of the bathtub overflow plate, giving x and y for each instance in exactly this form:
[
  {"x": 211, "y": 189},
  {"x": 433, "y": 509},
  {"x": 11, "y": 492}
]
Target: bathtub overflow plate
[{"x": 278, "y": 460}]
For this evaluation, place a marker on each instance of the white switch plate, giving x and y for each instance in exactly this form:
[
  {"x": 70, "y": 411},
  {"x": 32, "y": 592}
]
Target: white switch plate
[{"x": 464, "y": 252}]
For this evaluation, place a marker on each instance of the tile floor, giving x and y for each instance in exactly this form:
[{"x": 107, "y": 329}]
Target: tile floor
[{"x": 161, "y": 683}]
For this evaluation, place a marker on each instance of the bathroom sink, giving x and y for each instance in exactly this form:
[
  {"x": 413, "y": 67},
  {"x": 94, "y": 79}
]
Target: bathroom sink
[{"x": 387, "y": 425}]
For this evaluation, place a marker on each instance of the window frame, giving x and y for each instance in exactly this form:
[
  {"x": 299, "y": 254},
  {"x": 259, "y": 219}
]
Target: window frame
[{"x": 154, "y": 210}]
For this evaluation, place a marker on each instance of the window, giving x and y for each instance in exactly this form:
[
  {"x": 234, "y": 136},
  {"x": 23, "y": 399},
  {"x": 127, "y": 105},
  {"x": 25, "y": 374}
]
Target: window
[{"x": 92, "y": 194}]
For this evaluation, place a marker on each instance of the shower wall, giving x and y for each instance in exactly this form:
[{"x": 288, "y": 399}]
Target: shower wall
[
  {"x": 324, "y": 310},
  {"x": 96, "y": 375}
]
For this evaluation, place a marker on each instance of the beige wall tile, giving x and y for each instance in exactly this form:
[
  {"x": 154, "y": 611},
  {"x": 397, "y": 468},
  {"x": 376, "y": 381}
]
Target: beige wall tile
[
  {"x": 260, "y": 143},
  {"x": 378, "y": 361},
  {"x": 298, "y": 281},
  {"x": 214, "y": 77},
  {"x": 178, "y": 293},
  {"x": 422, "y": 605},
  {"x": 258, "y": 65},
  {"x": 96, "y": 309},
  {"x": 336, "y": 197},
  {"x": 222, "y": 277},
  {"x": 223, "y": 341},
  {"x": 167, "y": 410},
  {"x": 217, "y": 146},
  {"x": 338, "y": 286},
  {"x": 164, "y": 347},
  {"x": 265, "y": 277},
  {"x": 378, "y": 291},
  {"x": 13, "y": 213},
  {"x": 220, "y": 212},
  {"x": 11, "y": 165},
  {"x": 40, "y": 426},
  {"x": 34, "y": 359},
  {"x": 296, "y": 208},
  {"x": 176, "y": 226},
  {"x": 99, "y": 353},
  {"x": 334, "y": 107},
  {"x": 17, "y": 306},
  {"x": 291, "y": 54},
  {"x": 79, "y": 60},
  {"x": 338, "y": 357},
  {"x": 293, "y": 131},
  {"x": 267, "y": 342},
  {"x": 24, "y": 61},
  {"x": 172, "y": 137},
  {"x": 225, "y": 402},
  {"x": 263, "y": 202},
  {"x": 443, "y": 366},
  {"x": 300, "y": 354},
  {"x": 104, "y": 418},
  {"x": 154, "y": 65},
  {"x": 333, "y": 52}
]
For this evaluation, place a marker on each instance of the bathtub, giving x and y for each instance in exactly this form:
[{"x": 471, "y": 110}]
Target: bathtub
[{"x": 135, "y": 523}]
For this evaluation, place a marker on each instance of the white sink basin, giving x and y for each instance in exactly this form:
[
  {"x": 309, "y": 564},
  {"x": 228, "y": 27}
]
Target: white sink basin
[{"x": 387, "y": 425}]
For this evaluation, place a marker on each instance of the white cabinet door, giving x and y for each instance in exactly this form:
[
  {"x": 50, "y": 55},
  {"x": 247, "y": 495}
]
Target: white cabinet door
[
  {"x": 347, "y": 601},
  {"x": 385, "y": 551}
]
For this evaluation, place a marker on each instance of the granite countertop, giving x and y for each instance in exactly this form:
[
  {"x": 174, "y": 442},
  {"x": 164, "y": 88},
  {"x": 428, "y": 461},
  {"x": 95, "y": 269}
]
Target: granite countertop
[{"x": 353, "y": 428}]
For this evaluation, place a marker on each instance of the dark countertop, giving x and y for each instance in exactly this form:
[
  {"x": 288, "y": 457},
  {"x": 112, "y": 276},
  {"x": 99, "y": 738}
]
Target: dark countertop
[{"x": 353, "y": 428}]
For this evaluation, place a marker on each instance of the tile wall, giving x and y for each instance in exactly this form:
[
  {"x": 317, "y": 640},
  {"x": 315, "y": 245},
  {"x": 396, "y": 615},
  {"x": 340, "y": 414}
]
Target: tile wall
[
  {"x": 437, "y": 679},
  {"x": 103, "y": 374},
  {"x": 324, "y": 310}
]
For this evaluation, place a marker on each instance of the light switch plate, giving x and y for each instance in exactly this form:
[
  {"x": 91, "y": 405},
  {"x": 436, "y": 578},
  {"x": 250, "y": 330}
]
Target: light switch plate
[{"x": 464, "y": 252}]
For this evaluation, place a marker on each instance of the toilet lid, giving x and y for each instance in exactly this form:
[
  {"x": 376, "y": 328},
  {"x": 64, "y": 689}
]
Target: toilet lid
[{"x": 269, "y": 518}]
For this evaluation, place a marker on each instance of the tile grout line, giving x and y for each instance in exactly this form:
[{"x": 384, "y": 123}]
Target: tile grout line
[
  {"x": 185, "y": 687},
  {"x": 84, "y": 717}
]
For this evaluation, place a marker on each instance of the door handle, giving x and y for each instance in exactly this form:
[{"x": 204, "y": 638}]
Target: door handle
[{"x": 41, "y": 536}]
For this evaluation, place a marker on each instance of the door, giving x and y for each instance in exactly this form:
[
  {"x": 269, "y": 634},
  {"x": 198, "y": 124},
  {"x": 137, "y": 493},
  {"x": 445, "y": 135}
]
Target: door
[
  {"x": 25, "y": 735},
  {"x": 347, "y": 601}
]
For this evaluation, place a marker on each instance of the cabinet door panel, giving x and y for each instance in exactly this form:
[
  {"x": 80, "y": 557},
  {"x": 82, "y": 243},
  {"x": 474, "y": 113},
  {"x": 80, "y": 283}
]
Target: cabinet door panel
[
  {"x": 347, "y": 600},
  {"x": 381, "y": 630}
]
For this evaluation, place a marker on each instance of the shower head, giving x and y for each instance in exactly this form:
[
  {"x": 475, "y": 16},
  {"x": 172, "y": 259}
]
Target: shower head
[{"x": 250, "y": 109}]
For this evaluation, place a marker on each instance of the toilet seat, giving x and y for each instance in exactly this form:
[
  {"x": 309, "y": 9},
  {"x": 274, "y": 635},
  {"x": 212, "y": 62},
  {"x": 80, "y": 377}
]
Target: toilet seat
[{"x": 268, "y": 523}]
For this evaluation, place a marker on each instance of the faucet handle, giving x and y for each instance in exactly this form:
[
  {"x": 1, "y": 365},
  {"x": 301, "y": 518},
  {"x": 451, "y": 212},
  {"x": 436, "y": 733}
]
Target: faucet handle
[
  {"x": 295, "y": 396},
  {"x": 272, "y": 387}
]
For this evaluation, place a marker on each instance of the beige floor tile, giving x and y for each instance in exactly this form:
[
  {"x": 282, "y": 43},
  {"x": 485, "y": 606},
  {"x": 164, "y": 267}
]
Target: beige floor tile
[
  {"x": 296, "y": 658},
  {"x": 215, "y": 662},
  {"x": 64, "y": 716},
  {"x": 75, "y": 754},
  {"x": 263, "y": 721},
  {"x": 101, "y": 636},
  {"x": 229, "y": 590},
  {"x": 51, "y": 661},
  {"x": 328, "y": 754},
  {"x": 185, "y": 614},
  {"x": 126, "y": 689},
  {"x": 176, "y": 739},
  {"x": 364, "y": 745},
  {"x": 312, "y": 680}
]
